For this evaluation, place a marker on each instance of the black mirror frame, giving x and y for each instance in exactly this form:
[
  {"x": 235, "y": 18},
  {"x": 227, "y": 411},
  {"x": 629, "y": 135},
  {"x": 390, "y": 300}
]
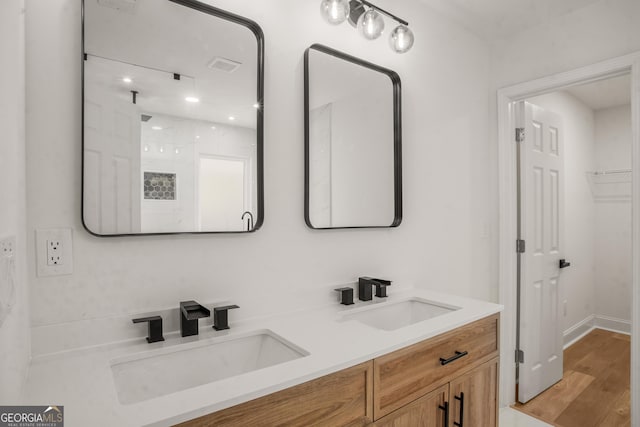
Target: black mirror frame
[
  {"x": 397, "y": 134},
  {"x": 257, "y": 31}
]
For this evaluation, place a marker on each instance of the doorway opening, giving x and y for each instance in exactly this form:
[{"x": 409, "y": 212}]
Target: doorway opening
[
  {"x": 575, "y": 274},
  {"x": 222, "y": 193},
  {"x": 508, "y": 270}
]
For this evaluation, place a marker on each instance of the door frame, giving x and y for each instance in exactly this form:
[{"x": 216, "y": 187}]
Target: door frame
[
  {"x": 507, "y": 194},
  {"x": 246, "y": 190}
]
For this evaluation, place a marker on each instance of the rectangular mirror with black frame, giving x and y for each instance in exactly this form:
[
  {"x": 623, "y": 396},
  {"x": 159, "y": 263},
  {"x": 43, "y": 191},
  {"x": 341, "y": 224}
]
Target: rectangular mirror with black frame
[
  {"x": 353, "y": 165},
  {"x": 172, "y": 119}
]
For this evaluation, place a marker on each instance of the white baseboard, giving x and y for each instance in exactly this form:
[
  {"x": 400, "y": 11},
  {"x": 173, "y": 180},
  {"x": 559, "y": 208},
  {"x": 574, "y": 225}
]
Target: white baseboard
[
  {"x": 582, "y": 328},
  {"x": 613, "y": 324},
  {"x": 579, "y": 330}
]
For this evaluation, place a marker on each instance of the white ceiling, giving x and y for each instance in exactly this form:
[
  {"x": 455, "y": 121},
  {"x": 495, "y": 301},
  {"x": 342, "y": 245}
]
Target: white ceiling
[
  {"x": 495, "y": 19},
  {"x": 603, "y": 94},
  {"x": 162, "y": 38}
]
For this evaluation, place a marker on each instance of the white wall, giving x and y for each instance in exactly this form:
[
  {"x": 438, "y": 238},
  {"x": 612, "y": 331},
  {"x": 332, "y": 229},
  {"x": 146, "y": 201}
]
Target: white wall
[
  {"x": 578, "y": 281},
  {"x": 14, "y": 332},
  {"x": 444, "y": 243},
  {"x": 362, "y": 190},
  {"x": 602, "y": 30},
  {"x": 613, "y": 217}
]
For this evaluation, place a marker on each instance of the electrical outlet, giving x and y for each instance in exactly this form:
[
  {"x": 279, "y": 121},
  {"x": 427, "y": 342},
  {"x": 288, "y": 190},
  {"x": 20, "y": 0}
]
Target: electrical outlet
[
  {"x": 54, "y": 252},
  {"x": 8, "y": 247}
]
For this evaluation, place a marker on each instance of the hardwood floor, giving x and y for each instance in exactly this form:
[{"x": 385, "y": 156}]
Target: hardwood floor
[{"x": 594, "y": 390}]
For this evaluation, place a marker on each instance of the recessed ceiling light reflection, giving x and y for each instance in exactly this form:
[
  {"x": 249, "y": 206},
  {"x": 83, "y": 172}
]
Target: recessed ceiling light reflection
[
  {"x": 213, "y": 128},
  {"x": 256, "y": 105},
  {"x": 177, "y": 151},
  {"x": 197, "y": 136},
  {"x": 192, "y": 99},
  {"x": 127, "y": 79},
  {"x": 146, "y": 148},
  {"x": 156, "y": 128},
  {"x": 162, "y": 149},
  {"x": 232, "y": 118}
]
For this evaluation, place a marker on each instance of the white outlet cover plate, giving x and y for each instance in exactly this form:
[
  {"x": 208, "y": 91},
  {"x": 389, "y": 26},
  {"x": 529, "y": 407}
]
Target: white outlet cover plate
[
  {"x": 8, "y": 247},
  {"x": 7, "y": 276},
  {"x": 64, "y": 236}
]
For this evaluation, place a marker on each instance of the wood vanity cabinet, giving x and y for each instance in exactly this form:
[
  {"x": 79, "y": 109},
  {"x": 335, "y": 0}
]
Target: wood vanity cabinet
[
  {"x": 446, "y": 381},
  {"x": 460, "y": 365},
  {"x": 441, "y": 408},
  {"x": 340, "y": 399}
]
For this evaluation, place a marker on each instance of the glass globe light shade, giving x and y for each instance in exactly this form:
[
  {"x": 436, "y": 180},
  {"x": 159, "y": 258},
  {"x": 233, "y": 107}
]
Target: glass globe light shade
[
  {"x": 370, "y": 24},
  {"x": 335, "y": 11},
  {"x": 401, "y": 39}
]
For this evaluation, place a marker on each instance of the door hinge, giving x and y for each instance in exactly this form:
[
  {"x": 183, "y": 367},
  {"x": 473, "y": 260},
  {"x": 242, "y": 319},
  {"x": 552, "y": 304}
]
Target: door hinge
[
  {"x": 520, "y": 246},
  {"x": 519, "y": 134},
  {"x": 519, "y": 356}
]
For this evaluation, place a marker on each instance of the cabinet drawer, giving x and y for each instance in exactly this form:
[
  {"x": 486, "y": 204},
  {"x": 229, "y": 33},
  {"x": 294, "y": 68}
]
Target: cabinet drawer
[
  {"x": 405, "y": 375},
  {"x": 340, "y": 399}
]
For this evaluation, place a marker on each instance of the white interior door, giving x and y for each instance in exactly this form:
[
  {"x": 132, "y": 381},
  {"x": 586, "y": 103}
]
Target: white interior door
[
  {"x": 541, "y": 227},
  {"x": 112, "y": 163}
]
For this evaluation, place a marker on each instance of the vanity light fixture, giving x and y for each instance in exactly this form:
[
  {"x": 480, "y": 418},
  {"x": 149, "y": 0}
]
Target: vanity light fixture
[
  {"x": 370, "y": 24},
  {"x": 335, "y": 11},
  {"x": 367, "y": 19}
]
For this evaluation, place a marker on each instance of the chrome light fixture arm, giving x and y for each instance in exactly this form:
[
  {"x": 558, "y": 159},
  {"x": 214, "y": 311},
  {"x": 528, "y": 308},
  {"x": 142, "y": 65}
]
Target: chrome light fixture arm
[{"x": 384, "y": 12}]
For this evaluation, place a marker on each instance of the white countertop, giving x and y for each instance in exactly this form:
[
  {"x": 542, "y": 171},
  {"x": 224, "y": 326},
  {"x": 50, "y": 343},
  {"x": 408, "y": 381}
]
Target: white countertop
[{"x": 82, "y": 380}]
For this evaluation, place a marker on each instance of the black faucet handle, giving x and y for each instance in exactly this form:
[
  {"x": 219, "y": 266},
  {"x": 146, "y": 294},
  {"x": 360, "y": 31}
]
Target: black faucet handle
[
  {"x": 155, "y": 327},
  {"x": 381, "y": 288},
  {"x": 221, "y": 317},
  {"x": 346, "y": 295}
]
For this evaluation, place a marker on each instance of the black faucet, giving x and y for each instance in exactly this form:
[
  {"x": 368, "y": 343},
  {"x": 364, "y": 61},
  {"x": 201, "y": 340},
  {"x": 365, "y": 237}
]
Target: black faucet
[
  {"x": 221, "y": 317},
  {"x": 365, "y": 285},
  {"x": 190, "y": 312},
  {"x": 155, "y": 327},
  {"x": 249, "y": 220}
]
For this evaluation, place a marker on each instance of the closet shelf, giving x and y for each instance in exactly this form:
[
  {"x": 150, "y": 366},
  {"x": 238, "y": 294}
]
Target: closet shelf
[{"x": 610, "y": 185}]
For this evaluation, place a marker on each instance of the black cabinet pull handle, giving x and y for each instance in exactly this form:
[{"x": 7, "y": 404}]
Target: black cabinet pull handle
[
  {"x": 457, "y": 356},
  {"x": 461, "y": 399},
  {"x": 445, "y": 408}
]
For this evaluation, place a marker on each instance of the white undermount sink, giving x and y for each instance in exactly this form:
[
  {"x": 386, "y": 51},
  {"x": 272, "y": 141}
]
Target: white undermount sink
[
  {"x": 159, "y": 372},
  {"x": 390, "y": 316}
]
